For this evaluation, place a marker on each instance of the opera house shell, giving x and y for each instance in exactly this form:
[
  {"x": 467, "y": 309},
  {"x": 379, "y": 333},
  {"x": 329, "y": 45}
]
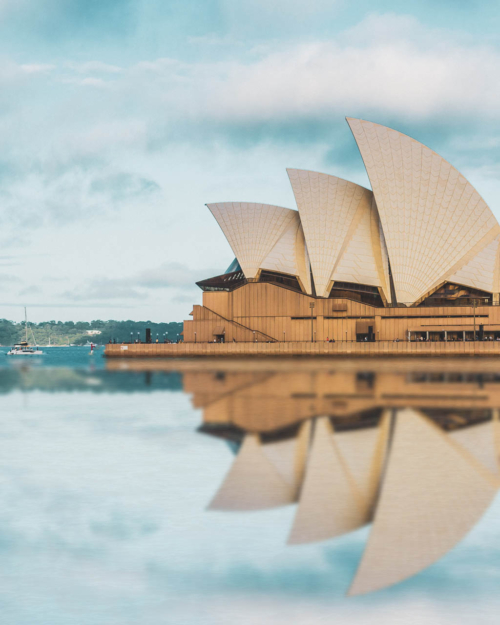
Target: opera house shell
[{"x": 349, "y": 259}]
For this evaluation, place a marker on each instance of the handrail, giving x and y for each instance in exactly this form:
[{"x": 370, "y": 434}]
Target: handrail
[{"x": 241, "y": 325}]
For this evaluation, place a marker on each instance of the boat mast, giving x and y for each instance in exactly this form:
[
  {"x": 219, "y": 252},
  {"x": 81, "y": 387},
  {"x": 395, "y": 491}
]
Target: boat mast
[{"x": 26, "y": 323}]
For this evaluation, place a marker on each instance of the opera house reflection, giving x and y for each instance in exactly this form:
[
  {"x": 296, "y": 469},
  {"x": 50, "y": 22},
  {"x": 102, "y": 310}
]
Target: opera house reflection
[
  {"x": 412, "y": 450},
  {"x": 408, "y": 449}
]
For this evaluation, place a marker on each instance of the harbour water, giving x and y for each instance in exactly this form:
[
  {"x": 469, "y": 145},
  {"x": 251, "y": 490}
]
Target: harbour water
[{"x": 248, "y": 492}]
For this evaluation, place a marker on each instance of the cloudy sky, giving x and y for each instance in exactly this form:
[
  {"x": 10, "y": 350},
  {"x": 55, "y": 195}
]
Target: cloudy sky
[{"x": 120, "y": 119}]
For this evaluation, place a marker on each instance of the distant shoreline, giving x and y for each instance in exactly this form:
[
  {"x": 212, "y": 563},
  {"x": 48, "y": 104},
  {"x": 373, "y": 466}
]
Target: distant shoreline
[{"x": 66, "y": 333}]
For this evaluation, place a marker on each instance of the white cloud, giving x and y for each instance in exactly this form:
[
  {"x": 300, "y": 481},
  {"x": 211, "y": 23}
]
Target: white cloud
[
  {"x": 94, "y": 67},
  {"x": 112, "y": 134},
  {"x": 377, "y": 28},
  {"x": 37, "y": 68},
  {"x": 215, "y": 40},
  {"x": 172, "y": 275},
  {"x": 386, "y": 63},
  {"x": 325, "y": 79},
  {"x": 14, "y": 74},
  {"x": 102, "y": 289},
  {"x": 92, "y": 82}
]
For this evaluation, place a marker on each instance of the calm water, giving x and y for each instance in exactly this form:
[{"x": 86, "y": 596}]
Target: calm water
[{"x": 133, "y": 493}]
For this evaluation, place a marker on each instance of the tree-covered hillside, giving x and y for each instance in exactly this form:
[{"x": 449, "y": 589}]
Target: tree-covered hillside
[{"x": 66, "y": 332}]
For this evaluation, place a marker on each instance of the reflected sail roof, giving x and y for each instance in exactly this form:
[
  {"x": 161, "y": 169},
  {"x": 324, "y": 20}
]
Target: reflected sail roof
[
  {"x": 289, "y": 457},
  {"x": 479, "y": 441},
  {"x": 432, "y": 494},
  {"x": 363, "y": 452},
  {"x": 330, "y": 501},
  {"x": 253, "y": 482},
  {"x": 424, "y": 478}
]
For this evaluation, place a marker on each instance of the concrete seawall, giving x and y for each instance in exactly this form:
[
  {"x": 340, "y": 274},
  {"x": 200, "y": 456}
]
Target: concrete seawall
[{"x": 379, "y": 348}]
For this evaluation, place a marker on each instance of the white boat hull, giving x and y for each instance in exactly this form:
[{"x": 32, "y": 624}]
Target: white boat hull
[{"x": 15, "y": 352}]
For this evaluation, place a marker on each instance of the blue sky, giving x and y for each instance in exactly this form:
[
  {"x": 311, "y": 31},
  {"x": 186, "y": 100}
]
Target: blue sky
[{"x": 120, "y": 119}]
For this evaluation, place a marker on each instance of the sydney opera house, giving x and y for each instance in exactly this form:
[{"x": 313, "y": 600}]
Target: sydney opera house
[{"x": 417, "y": 257}]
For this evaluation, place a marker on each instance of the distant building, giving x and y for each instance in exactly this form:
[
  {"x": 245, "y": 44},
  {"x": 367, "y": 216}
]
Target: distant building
[
  {"x": 93, "y": 332},
  {"x": 423, "y": 241}
]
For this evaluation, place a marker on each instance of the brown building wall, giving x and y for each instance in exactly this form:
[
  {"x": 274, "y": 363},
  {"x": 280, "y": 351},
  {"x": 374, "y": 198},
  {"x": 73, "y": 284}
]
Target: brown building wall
[
  {"x": 279, "y": 314},
  {"x": 303, "y": 348},
  {"x": 276, "y": 400}
]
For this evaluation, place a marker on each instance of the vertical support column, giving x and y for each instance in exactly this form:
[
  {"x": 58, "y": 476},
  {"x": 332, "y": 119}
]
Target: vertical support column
[
  {"x": 427, "y": 335},
  {"x": 445, "y": 335},
  {"x": 319, "y": 332},
  {"x": 311, "y": 306},
  {"x": 496, "y": 299}
]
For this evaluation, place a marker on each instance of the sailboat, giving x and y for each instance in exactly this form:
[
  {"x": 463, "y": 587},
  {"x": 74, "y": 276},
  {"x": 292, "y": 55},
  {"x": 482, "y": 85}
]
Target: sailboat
[{"x": 24, "y": 348}]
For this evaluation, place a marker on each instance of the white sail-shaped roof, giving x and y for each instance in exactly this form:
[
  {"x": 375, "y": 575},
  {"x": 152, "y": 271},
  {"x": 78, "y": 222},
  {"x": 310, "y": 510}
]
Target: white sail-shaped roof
[
  {"x": 331, "y": 211},
  {"x": 253, "y": 482},
  {"x": 330, "y": 503},
  {"x": 363, "y": 261},
  {"x": 482, "y": 271},
  {"x": 434, "y": 221},
  {"x": 381, "y": 254},
  {"x": 432, "y": 494},
  {"x": 252, "y": 230},
  {"x": 289, "y": 254}
]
